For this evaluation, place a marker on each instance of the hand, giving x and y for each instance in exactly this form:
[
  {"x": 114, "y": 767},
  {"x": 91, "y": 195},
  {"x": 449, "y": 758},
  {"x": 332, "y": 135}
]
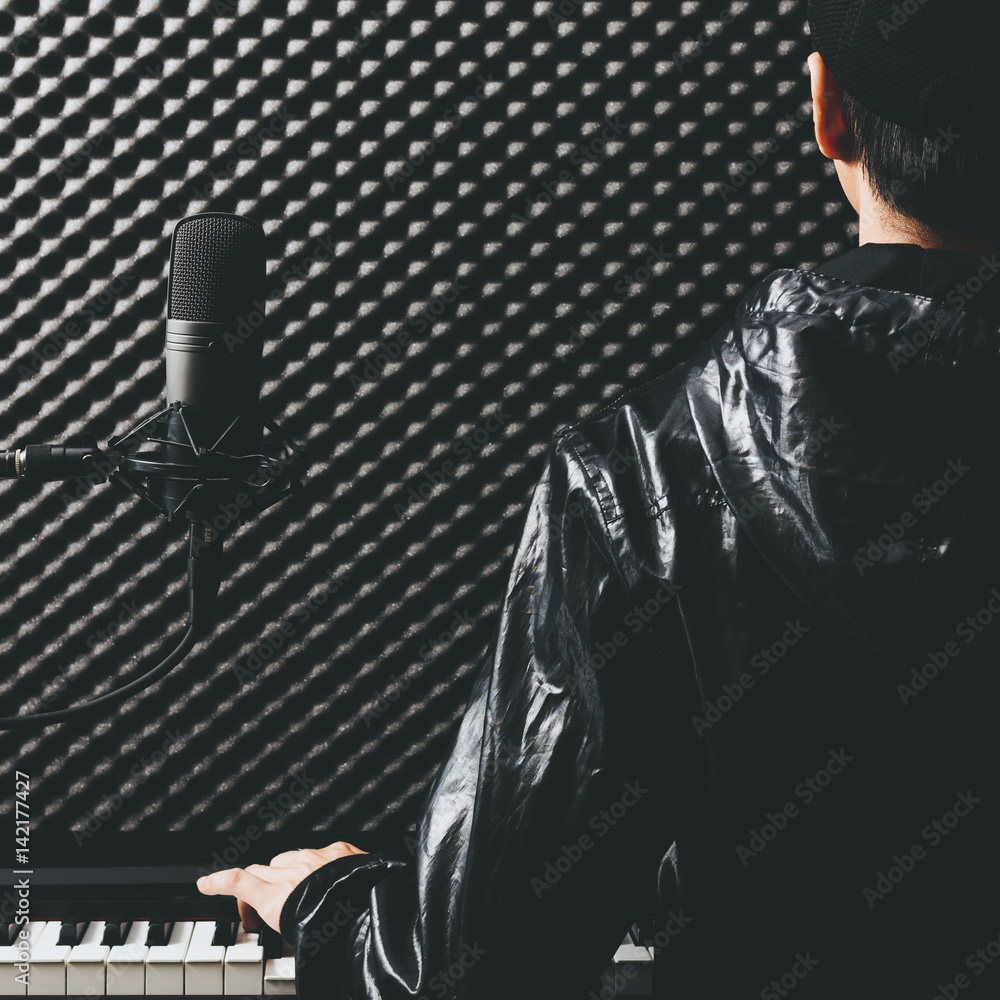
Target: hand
[{"x": 261, "y": 890}]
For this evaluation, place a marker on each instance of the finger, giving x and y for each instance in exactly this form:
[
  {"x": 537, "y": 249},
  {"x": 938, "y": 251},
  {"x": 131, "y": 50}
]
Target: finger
[
  {"x": 249, "y": 917},
  {"x": 236, "y": 882},
  {"x": 287, "y": 858},
  {"x": 339, "y": 849},
  {"x": 268, "y": 874}
]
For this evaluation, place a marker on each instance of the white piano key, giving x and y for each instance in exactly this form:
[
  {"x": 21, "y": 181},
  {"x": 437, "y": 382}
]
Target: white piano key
[
  {"x": 165, "y": 963},
  {"x": 86, "y": 968},
  {"x": 35, "y": 930},
  {"x": 48, "y": 963},
  {"x": 279, "y": 976},
  {"x": 633, "y": 970},
  {"x": 244, "y": 974},
  {"x": 127, "y": 963},
  {"x": 17, "y": 954},
  {"x": 203, "y": 963}
]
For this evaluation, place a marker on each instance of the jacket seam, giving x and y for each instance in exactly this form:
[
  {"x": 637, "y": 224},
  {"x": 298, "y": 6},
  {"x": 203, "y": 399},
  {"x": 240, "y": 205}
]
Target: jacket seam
[
  {"x": 654, "y": 510},
  {"x": 651, "y": 508},
  {"x": 577, "y": 444},
  {"x": 917, "y": 296},
  {"x": 574, "y": 438},
  {"x": 847, "y": 282}
]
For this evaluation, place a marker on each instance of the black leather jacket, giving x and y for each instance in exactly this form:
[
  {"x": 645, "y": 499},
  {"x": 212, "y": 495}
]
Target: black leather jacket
[{"x": 743, "y": 680}]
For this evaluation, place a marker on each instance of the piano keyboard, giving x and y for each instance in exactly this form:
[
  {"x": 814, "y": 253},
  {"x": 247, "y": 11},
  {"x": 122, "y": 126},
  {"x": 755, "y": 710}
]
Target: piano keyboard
[
  {"x": 104, "y": 958},
  {"x": 184, "y": 958},
  {"x": 116, "y": 928}
]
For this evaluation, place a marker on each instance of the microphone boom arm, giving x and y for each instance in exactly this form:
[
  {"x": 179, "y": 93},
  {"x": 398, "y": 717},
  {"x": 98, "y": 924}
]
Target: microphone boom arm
[{"x": 214, "y": 474}]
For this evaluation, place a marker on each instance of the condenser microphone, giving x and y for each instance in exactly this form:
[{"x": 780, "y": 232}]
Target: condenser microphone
[
  {"x": 214, "y": 340},
  {"x": 215, "y": 317},
  {"x": 205, "y": 467},
  {"x": 213, "y": 346}
]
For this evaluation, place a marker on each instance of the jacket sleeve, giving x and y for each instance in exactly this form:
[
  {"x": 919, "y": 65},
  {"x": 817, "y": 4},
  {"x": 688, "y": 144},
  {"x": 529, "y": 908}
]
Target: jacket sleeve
[{"x": 541, "y": 835}]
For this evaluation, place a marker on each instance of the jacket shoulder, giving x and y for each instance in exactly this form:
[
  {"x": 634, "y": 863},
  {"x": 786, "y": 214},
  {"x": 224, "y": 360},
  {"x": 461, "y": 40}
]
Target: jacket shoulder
[
  {"x": 642, "y": 453},
  {"x": 647, "y": 451}
]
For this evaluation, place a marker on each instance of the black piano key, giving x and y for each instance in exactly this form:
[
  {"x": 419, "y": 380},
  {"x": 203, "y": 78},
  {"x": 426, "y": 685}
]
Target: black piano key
[
  {"x": 159, "y": 930},
  {"x": 270, "y": 941},
  {"x": 643, "y": 932},
  {"x": 225, "y": 933},
  {"x": 72, "y": 930},
  {"x": 6, "y": 938},
  {"x": 115, "y": 931}
]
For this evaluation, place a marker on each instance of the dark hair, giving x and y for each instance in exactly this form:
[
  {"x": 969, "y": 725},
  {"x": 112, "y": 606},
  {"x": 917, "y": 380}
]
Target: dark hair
[{"x": 943, "y": 182}]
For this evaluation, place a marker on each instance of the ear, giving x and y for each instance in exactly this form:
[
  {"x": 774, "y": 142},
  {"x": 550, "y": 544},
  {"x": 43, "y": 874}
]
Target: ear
[{"x": 835, "y": 142}]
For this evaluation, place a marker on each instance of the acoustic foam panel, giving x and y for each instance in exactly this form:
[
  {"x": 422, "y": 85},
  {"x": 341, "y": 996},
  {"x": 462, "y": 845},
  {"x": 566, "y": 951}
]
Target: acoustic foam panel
[{"x": 482, "y": 225}]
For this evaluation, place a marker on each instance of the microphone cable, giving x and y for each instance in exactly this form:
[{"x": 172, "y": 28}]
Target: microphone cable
[{"x": 199, "y": 582}]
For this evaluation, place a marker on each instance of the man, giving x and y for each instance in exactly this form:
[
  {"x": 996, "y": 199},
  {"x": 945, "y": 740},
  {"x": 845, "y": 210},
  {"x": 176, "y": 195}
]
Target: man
[{"x": 744, "y": 679}]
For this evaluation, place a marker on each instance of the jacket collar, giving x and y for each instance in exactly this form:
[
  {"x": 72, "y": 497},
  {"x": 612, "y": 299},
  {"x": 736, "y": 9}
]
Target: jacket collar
[{"x": 958, "y": 278}]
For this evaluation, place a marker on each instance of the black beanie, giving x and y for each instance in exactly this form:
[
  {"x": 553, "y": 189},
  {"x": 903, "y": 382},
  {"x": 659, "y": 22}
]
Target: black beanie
[{"x": 910, "y": 61}]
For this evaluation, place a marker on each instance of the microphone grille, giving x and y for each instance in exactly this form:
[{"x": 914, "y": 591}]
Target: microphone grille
[{"x": 216, "y": 268}]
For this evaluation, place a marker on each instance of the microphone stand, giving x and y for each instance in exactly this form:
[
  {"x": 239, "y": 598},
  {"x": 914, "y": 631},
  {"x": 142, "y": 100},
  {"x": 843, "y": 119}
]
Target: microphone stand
[{"x": 214, "y": 475}]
